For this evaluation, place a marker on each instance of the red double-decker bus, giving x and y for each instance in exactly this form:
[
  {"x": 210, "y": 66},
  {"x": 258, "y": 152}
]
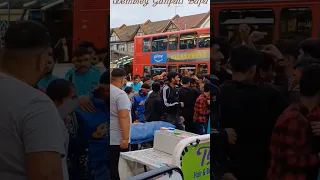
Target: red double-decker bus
[
  {"x": 172, "y": 51},
  {"x": 91, "y": 22},
  {"x": 280, "y": 19}
]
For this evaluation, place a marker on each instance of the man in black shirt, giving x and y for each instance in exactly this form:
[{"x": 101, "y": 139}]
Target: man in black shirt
[{"x": 170, "y": 99}]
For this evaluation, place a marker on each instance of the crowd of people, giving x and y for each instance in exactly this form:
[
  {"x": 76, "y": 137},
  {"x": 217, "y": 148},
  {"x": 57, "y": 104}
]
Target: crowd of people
[
  {"x": 182, "y": 100},
  {"x": 52, "y": 127},
  {"x": 265, "y": 114}
]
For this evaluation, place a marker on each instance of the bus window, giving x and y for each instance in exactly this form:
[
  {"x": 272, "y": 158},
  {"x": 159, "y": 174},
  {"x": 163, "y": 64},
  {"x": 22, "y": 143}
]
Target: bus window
[
  {"x": 159, "y": 43},
  {"x": 146, "y": 45},
  {"x": 173, "y": 42},
  {"x": 172, "y": 68},
  {"x": 261, "y": 20},
  {"x": 188, "y": 40},
  {"x": 183, "y": 69},
  {"x": 146, "y": 71},
  {"x": 295, "y": 23},
  {"x": 157, "y": 70},
  {"x": 202, "y": 69},
  {"x": 204, "y": 40}
]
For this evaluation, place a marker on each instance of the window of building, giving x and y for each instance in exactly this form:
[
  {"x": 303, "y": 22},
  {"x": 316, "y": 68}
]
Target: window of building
[
  {"x": 146, "y": 45},
  {"x": 172, "y": 28},
  {"x": 204, "y": 40},
  {"x": 121, "y": 47},
  {"x": 114, "y": 37},
  {"x": 295, "y": 23},
  {"x": 188, "y": 40},
  {"x": 140, "y": 32},
  {"x": 159, "y": 43},
  {"x": 173, "y": 42},
  {"x": 235, "y": 23}
]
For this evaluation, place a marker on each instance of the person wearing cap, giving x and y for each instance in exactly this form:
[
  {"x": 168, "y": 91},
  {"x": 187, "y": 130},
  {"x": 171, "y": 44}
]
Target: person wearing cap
[
  {"x": 32, "y": 131},
  {"x": 139, "y": 100},
  {"x": 120, "y": 121}
]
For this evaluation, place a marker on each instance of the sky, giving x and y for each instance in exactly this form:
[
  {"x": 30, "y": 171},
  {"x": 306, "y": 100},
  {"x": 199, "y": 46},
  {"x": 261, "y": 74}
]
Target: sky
[{"x": 130, "y": 14}]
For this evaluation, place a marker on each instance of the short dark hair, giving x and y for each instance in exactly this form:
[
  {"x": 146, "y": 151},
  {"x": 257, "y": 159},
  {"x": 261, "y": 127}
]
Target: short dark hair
[
  {"x": 309, "y": 82},
  {"x": 118, "y": 72},
  {"x": 80, "y": 51},
  {"x": 311, "y": 46},
  {"x": 145, "y": 86},
  {"x": 206, "y": 87},
  {"x": 156, "y": 87},
  {"x": 171, "y": 75},
  {"x": 289, "y": 47},
  {"x": 59, "y": 89},
  {"x": 105, "y": 77},
  {"x": 27, "y": 34},
  {"x": 146, "y": 79},
  {"x": 305, "y": 61},
  {"x": 243, "y": 58},
  {"x": 192, "y": 81},
  {"x": 128, "y": 89},
  {"x": 185, "y": 80}
]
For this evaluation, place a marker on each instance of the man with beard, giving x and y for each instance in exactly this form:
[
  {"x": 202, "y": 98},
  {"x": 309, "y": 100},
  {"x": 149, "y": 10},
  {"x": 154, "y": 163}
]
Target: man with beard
[
  {"x": 84, "y": 77},
  {"x": 32, "y": 131},
  {"x": 49, "y": 77},
  {"x": 170, "y": 99}
]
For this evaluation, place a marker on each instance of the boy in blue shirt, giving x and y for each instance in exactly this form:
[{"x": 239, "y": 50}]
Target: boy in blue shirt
[{"x": 136, "y": 85}]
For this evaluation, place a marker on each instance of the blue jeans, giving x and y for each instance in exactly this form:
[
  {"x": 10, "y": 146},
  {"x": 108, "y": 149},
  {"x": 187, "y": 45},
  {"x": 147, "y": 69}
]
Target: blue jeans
[{"x": 201, "y": 128}]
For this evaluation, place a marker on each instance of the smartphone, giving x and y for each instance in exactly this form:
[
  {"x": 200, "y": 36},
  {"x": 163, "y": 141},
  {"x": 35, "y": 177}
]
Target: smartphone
[{"x": 68, "y": 107}]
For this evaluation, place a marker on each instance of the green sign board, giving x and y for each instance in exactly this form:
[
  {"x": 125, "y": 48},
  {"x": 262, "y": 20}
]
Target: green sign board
[{"x": 195, "y": 162}]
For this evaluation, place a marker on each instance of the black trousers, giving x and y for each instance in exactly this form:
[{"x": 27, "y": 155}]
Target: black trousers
[{"x": 114, "y": 161}]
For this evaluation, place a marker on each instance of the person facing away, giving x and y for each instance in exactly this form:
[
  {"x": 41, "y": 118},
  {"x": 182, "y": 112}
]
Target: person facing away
[
  {"x": 120, "y": 121},
  {"x": 138, "y": 103},
  {"x": 49, "y": 77},
  {"x": 136, "y": 85},
  {"x": 83, "y": 76},
  {"x": 294, "y": 151},
  {"x": 188, "y": 96},
  {"x": 251, "y": 110},
  {"x": 32, "y": 131},
  {"x": 153, "y": 105},
  {"x": 202, "y": 110},
  {"x": 265, "y": 72},
  {"x": 170, "y": 100}
]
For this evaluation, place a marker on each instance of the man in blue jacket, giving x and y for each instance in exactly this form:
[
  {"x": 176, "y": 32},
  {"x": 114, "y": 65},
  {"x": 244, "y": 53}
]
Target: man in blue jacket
[{"x": 139, "y": 100}]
